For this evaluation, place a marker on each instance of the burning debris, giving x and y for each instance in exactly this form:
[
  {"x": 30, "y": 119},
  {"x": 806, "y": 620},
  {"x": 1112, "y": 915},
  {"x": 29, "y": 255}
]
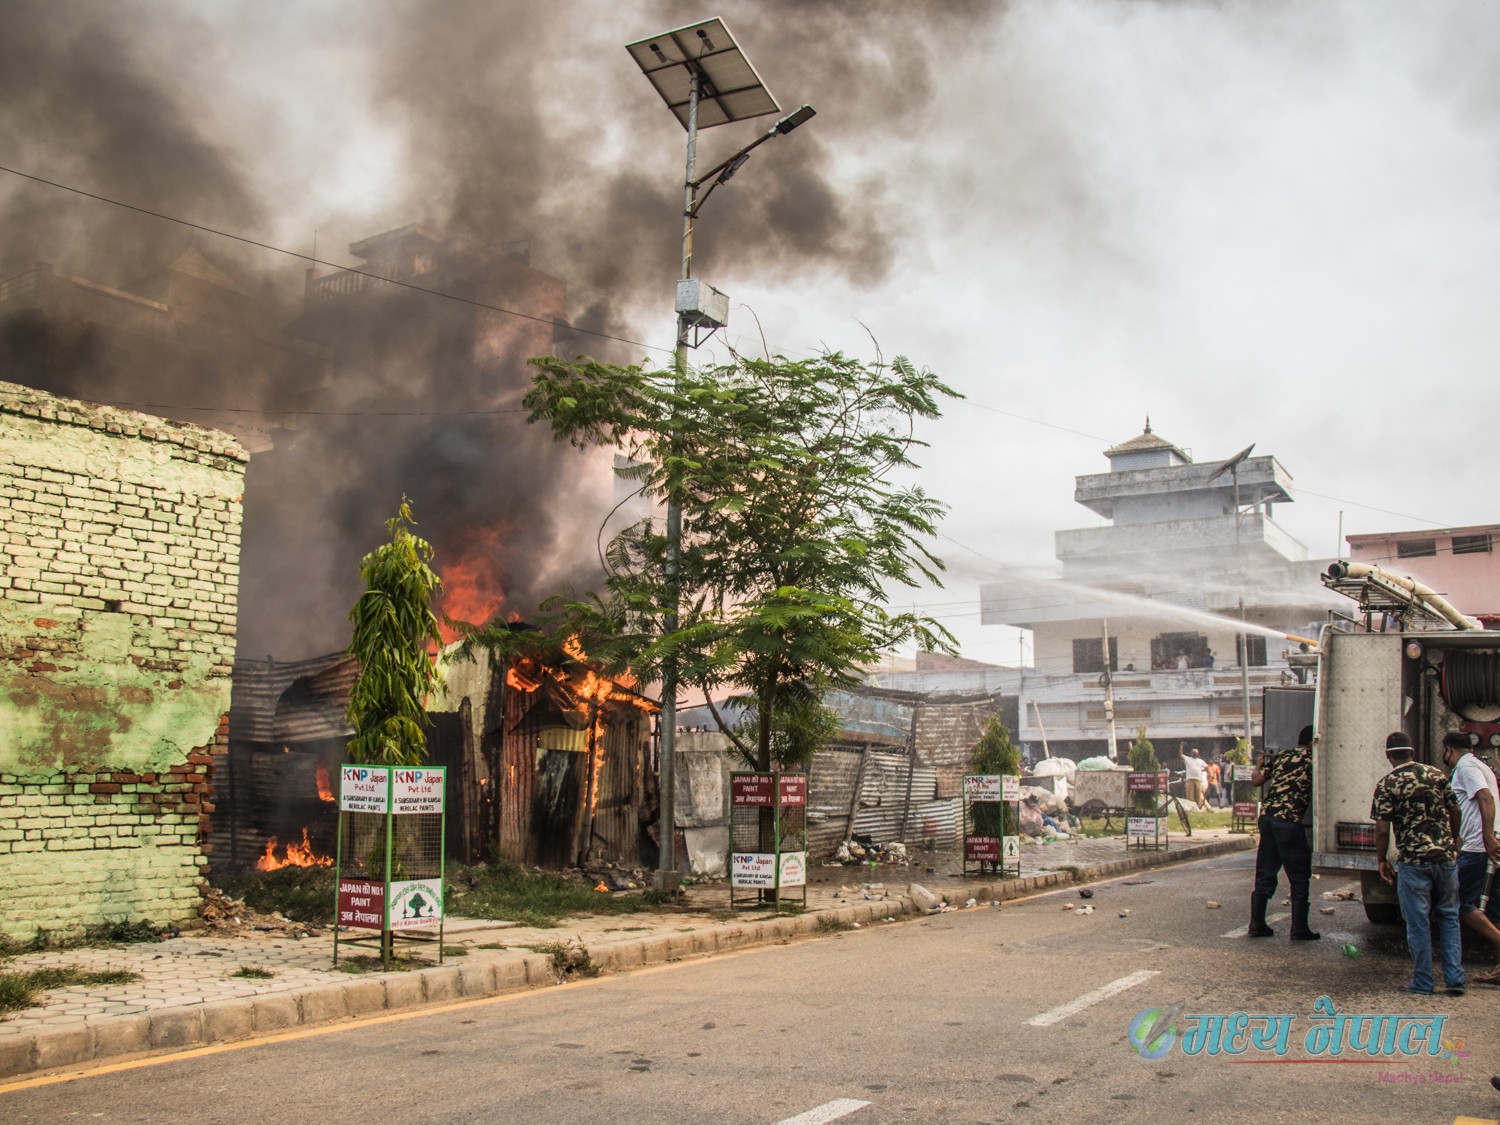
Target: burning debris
[
  {"x": 294, "y": 855},
  {"x": 224, "y": 915}
]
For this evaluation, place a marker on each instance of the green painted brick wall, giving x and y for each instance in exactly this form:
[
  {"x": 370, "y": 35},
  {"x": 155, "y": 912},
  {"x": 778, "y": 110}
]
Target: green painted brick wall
[{"x": 119, "y": 563}]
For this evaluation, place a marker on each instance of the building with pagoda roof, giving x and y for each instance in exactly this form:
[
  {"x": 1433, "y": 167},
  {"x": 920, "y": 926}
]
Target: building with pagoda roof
[{"x": 1186, "y": 551}]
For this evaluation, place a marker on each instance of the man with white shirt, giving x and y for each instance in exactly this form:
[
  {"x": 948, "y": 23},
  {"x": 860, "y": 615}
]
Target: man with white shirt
[
  {"x": 1474, "y": 785},
  {"x": 1195, "y": 774}
]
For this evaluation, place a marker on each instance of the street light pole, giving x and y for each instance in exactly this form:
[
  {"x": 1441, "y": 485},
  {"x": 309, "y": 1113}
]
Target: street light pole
[
  {"x": 705, "y": 80},
  {"x": 666, "y": 874}
]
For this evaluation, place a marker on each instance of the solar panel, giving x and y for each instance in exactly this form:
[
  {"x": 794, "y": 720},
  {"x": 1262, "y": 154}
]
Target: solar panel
[{"x": 731, "y": 89}]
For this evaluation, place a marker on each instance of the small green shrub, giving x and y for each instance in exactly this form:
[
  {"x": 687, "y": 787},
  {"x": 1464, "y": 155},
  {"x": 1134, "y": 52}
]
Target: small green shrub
[
  {"x": 22, "y": 989},
  {"x": 569, "y": 960}
]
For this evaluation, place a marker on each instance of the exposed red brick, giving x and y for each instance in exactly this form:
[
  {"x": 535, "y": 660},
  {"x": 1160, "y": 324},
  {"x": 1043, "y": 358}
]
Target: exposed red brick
[{"x": 104, "y": 787}]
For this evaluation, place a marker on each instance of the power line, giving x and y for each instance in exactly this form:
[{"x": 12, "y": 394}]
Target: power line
[
  {"x": 525, "y": 316},
  {"x": 319, "y": 413},
  {"x": 331, "y": 265}
]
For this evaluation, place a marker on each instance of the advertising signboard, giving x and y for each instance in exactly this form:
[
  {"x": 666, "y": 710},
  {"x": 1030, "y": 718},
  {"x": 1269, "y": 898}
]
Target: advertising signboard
[
  {"x": 364, "y": 789},
  {"x": 417, "y": 791},
  {"x": 793, "y": 869},
  {"x": 361, "y": 903},
  {"x": 753, "y": 869},
  {"x": 984, "y": 788},
  {"x": 751, "y": 789},
  {"x": 416, "y": 903},
  {"x": 982, "y": 849}
]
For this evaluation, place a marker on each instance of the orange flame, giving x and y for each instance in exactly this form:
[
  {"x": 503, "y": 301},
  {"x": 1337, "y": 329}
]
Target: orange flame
[
  {"x": 325, "y": 790},
  {"x": 471, "y": 583},
  {"x": 297, "y": 855}
]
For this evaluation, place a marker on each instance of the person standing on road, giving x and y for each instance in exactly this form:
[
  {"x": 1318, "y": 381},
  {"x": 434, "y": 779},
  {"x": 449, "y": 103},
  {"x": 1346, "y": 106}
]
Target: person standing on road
[
  {"x": 1417, "y": 801},
  {"x": 1287, "y": 777},
  {"x": 1195, "y": 774},
  {"x": 1474, "y": 785},
  {"x": 1211, "y": 769}
]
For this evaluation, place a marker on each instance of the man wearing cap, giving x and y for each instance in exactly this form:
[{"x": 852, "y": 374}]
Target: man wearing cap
[
  {"x": 1283, "y": 843},
  {"x": 1417, "y": 802},
  {"x": 1474, "y": 785}
]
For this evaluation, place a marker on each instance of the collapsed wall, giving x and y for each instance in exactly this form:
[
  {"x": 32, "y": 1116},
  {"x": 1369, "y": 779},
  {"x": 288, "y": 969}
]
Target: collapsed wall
[{"x": 119, "y": 564}]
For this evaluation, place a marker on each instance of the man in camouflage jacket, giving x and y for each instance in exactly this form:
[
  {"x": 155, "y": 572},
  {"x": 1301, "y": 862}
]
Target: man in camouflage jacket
[
  {"x": 1283, "y": 842},
  {"x": 1417, "y": 801}
]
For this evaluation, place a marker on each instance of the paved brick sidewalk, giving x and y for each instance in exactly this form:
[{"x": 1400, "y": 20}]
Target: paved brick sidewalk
[{"x": 189, "y": 995}]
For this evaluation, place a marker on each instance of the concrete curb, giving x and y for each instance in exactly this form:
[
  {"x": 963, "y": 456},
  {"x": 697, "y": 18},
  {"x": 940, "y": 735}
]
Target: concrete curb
[{"x": 204, "y": 1024}]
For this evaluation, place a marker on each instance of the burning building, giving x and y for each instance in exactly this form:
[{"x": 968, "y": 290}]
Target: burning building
[{"x": 549, "y": 763}]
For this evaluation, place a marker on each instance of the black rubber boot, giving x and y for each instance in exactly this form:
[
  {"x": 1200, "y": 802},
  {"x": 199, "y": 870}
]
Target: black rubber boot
[
  {"x": 1258, "y": 927},
  {"x": 1300, "y": 929}
]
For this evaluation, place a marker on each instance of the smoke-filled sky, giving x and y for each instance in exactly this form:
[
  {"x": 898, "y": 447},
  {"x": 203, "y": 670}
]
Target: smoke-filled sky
[{"x": 1268, "y": 221}]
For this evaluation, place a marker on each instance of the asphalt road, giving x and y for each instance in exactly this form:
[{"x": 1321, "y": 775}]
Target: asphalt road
[{"x": 991, "y": 1015}]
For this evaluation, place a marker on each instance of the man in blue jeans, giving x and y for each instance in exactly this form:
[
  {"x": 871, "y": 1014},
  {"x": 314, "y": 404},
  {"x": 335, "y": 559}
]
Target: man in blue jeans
[
  {"x": 1478, "y": 849},
  {"x": 1417, "y": 801}
]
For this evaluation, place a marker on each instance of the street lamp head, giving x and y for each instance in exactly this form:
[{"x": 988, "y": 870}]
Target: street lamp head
[
  {"x": 792, "y": 120},
  {"x": 732, "y": 167}
]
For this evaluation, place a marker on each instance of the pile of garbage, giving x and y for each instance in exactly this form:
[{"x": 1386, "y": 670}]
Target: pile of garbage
[
  {"x": 221, "y": 914},
  {"x": 1045, "y": 815},
  {"x": 862, "y": 850}
]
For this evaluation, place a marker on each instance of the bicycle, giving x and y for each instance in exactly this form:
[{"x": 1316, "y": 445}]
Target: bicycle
[{"x": 1171, "y": 802}]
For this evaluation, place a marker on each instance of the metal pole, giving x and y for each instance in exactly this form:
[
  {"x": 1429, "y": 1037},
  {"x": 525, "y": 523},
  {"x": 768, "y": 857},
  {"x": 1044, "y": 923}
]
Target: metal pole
[
  {"x": 1234, "y": 470},
  {"x": 667, "y": 877},
  {"x": 1245, "y": 671},
  {"x": 1109, "y": 700}
]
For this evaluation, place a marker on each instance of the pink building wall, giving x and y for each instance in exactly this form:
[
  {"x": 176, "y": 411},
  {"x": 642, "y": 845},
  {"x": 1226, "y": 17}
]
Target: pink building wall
[{"x": 1468, "y": 577}]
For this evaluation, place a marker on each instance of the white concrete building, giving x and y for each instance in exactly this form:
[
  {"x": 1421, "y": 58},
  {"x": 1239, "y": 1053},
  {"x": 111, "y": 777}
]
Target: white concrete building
[{"x": 1186, "y": 549}]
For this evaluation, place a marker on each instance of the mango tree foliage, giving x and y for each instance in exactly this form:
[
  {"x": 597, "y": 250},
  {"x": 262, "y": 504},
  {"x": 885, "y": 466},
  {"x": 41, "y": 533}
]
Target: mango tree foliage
[
  {"x": 394, "y": 629},
  {"x": 795, "y": 526}
]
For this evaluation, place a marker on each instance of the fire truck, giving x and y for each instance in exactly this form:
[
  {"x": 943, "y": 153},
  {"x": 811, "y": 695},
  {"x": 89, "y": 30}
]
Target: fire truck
[{"x": 1407, "y": 661}]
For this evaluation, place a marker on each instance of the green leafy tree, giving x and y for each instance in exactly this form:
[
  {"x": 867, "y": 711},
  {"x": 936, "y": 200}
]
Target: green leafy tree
[
  {"x": 1143, "y": 760},
  {"x": 394, "y": 628},
  {"x": 994, "y": 753},
  {"x": 794, "y": 525}
]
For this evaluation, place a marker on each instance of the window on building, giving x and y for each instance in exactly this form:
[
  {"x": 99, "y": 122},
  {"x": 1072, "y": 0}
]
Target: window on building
[
  {"x": 1179, "y": 650},
  {"x": 1255, "y": 652},
  {"x": 1088, "y": 654},
  {"x": 1472, "y": 544},
  {"x": 1415, "y": 548}
]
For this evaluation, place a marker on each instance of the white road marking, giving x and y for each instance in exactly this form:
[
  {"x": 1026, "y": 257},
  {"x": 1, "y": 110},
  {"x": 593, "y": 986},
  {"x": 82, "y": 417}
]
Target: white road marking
[
  {"x": 828, "y": 1111},
  {"x": 1056, "y": 1015},
  {"x": 1241, "y": 932}
]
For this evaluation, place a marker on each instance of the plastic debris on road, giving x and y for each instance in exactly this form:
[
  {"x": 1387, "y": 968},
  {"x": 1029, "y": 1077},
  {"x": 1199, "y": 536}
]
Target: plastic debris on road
[{"x": 1352, "y": 950}]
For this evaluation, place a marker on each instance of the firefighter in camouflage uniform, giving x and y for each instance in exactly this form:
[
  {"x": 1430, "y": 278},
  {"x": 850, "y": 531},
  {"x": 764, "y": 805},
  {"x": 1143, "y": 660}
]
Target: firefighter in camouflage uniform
[
  {"x": 1418, "y": 802},
  {"x": 1287, "y": 777}
]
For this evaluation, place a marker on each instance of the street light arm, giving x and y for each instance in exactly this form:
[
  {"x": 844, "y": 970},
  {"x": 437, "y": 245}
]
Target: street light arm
[{"x": 727, "y": 167}]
